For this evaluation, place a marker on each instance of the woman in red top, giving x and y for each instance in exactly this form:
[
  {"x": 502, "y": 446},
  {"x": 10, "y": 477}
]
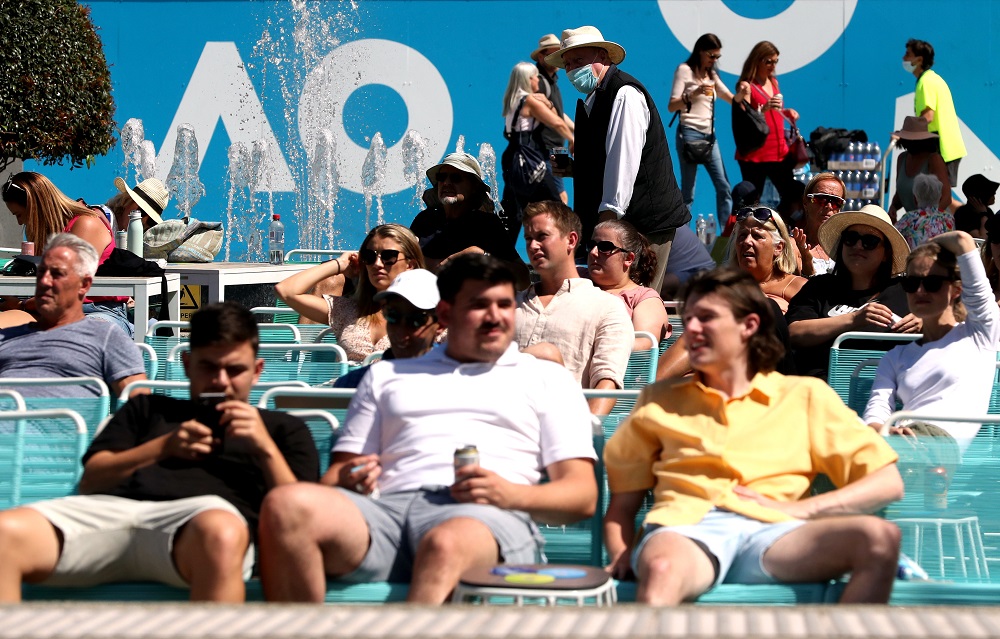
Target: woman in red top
[{"x": 770, "y": 160}]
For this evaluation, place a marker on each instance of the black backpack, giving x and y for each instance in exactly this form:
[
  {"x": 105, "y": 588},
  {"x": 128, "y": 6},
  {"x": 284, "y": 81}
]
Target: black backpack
[{"x": 122, "y": 263}]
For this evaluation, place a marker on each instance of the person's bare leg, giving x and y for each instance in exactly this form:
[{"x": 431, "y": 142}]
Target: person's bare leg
[
  {"x": 15, "y": 317},
  {"x": 308, "y": 531},
  {"x": 865, "y": 546},
  {"x": 29, "y": 550},
  {"x": 447, "y": 551},
  {"x": 672, "y": 569},
  {"x": 209, "y": 552}
]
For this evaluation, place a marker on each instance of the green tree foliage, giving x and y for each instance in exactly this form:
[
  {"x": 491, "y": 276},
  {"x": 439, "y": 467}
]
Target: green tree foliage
[{"x": 55, "y": 95}]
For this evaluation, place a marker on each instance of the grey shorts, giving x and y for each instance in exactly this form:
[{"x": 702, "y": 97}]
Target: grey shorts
[
  {"x": 109, "y": 539},
  {"x": 398, "y": 521},
  {"x": 737, "y": 542}
]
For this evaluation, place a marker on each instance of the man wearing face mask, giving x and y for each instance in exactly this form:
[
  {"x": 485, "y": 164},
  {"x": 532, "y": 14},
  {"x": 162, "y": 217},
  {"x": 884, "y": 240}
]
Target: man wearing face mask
[
  {"x": 932, "y": 101},
  {"x": 622, "y": 167}
]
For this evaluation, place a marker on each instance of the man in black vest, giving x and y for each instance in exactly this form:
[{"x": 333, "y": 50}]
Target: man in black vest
[
  {"x": 622, "y": 167},
  {"x": 548, "y": 85}
]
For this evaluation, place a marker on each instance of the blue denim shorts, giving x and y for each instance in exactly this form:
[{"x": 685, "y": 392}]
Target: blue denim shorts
[
  {"x": 114, "y": 312},
  {"x": 737, "y": 542}
]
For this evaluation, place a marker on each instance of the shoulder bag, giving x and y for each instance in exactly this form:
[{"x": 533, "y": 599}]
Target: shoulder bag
[{"x": 527, "y": 167}]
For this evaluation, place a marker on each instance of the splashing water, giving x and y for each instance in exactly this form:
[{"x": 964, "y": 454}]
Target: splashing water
[
  {"x": 460, "y": 144},
  {"x": 415, "y": 164},
  {"x": 372, "y": 177},
  {"x": 239, "y": 200},
  {"x": 133, "y": 135},
  {"x": 488, "y": 161},
  {"x": 261, "y": 171},
  {"x": 182, "y": 181},
  {"x": 147, "y": 161},
  {"x": 324, "y": 187}
]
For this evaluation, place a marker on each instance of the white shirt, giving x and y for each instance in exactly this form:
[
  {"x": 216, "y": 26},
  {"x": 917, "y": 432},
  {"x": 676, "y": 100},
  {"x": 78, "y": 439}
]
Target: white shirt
[
  {"x": 623, "y": 144},
  {"x": 949, "y": 376},
  {"x": 591, "y": 329},
  {"x": 523, "y": 415}
]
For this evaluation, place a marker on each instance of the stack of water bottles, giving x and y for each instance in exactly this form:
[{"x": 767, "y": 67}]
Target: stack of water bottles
[
  {"x": 858, "y": 168},
  {"x": 706, "y": 230}
]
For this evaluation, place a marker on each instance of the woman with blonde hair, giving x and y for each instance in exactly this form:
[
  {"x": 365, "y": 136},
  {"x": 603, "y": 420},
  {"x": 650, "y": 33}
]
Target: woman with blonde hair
[
  {"x": 526, "y": 112},
  {"x": 761, "y": 246},
  {"x": 387, "y": 251}
]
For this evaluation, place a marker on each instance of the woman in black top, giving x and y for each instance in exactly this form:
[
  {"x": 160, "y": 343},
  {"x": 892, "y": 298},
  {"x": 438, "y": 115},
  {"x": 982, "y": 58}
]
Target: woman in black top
[{"x": 859, "y": 295}]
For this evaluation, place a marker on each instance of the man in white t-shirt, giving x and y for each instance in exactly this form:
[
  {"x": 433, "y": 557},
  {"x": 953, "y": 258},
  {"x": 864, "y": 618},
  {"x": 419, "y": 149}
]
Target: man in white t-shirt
[{"x": 392, "y": 506}]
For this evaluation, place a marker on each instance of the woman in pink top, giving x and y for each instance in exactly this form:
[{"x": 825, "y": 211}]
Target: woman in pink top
[
  {"x": 44, "y": 210},
  {"x": 387, "y": 251},
  {"x": 770, "y": 160},
  {"x": 621, "y": 262}
]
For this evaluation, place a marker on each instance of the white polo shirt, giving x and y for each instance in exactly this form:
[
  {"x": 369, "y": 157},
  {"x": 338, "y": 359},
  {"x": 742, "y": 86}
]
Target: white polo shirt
[{"x": 523, "y": 415}]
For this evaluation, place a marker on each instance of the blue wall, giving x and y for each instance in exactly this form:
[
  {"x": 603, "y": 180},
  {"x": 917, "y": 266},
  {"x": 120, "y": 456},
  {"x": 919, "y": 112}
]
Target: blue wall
[{"x": 174, "y": 62}]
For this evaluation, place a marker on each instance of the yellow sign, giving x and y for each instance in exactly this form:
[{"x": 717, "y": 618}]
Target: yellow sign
[{"x": 190, "y": 301}]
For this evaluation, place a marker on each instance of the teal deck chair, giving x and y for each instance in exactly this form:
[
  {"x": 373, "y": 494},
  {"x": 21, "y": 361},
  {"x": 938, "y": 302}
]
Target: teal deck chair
[
  {"x": 641, "y": 371},
  {"x": 161, "y": 344},
  {"x": 93, "y": 408},
  {"x": 40, "y": 453},
  {"x": 284, "y": 315},
  {"x": 182, "y": 389},
  {"x": 843, "y": 361}
]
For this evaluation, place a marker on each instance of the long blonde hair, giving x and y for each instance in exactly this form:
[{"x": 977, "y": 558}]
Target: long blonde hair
[
  {"x": 518, "y": 84},
  {"x": 365, "y": 293},
  {"x": 786, "y": 261},
  {"x": 49, "y": 210}
]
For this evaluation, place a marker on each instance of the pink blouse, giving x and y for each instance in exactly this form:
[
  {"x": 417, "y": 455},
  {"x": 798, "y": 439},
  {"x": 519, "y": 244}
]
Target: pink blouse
[
  {"x": 354, "y": 334},
  {"x": 634, "y": 296}
]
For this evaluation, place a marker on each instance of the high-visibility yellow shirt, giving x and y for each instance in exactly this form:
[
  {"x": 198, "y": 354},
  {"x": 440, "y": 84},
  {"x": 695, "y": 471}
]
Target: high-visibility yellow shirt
[
  {"x": 932, "y": 92},
  {"x": 692, "y": 446}
]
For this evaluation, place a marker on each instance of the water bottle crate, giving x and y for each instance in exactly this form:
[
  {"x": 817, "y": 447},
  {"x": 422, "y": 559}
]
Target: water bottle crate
[{"x": 859, "y": 165}]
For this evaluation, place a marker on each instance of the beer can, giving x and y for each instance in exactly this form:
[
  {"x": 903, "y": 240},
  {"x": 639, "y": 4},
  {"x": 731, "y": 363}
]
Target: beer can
[
  {"x": 27, "y": 248},
  {"x": 467, "y": 455},
  {"x": 936, "y": 489},
  {"x": 121, "y": 240}
]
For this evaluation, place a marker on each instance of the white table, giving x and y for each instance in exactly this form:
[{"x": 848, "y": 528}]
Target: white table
[
  {"x": 141, "y": 289},
  {"x": 216, "y": 276}
]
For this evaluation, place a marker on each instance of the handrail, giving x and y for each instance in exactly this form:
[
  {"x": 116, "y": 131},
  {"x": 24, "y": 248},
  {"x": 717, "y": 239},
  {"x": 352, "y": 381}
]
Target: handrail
[
  {"x": 59, "y": 381},
  {"x": 882, "y": 337}
]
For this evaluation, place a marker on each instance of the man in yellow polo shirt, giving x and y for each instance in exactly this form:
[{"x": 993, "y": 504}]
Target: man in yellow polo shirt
[
  {"x": 932, "y": 101},
  {"x": 730, "y": 454}
]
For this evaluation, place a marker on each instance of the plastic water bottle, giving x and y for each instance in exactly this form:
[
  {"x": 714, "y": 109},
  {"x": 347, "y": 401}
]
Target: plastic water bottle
[
  {"x": 135, "y": 232},
  {"x": 710, "y": 232},
  {"x": 276, "y": 240},
  {"x": 851, "y": 155},
  {"x": 701, "y": 228},
  {"x": 877, "y": 153}
]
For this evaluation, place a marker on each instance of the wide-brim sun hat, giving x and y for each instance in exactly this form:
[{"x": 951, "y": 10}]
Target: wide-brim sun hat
[
  {"x": 870, "y": 215},
  {"x": 586, "y": 36},
  {"x": 914, "y": 128},
  {"x": 461, "y": 161},
  {"x": 547, "y": 41},
  {"x": 417, "y": 286},
  {"x": 150, "y": 194}
]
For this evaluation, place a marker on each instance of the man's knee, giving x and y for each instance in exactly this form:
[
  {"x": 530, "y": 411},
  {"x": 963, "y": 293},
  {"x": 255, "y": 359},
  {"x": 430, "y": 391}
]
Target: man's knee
[
  {"x": 290, "y": 506},
  {"x": 24, "y": 529},
  {"x": 216, "y": 536},
  {"x": 455, "y": 538},
  {"x": 879, "y": 539}
]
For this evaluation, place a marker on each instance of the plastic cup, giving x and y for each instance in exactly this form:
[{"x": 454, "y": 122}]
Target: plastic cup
[{"x": 560, "y": 157}]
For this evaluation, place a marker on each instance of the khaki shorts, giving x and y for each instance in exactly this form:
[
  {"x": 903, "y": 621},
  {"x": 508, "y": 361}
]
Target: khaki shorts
[{"x": 110, "y": 539}]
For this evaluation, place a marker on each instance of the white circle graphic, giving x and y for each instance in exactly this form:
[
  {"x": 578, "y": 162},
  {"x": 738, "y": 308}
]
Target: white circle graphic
[
  {"x": 372, "y": 61},
  {"x": 802, "y": 32}
]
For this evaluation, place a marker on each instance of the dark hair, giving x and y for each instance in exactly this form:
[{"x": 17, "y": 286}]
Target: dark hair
[
  {"x": 471, "y": 266},
  {"x": 643, "y": 267},
  {"x": 226, "y": 323},
  {"x": 927, "y": 145},
  {"x": 707, "y": 42},
  {"x": 947, "y": 261},
  {"x": 922, "y": 49},
  {"x": 883, "y": 276},
  {"x": 742, "y": 292},
  {"x": 563, "y": 216},
  {"x": 968, "y": 219}
]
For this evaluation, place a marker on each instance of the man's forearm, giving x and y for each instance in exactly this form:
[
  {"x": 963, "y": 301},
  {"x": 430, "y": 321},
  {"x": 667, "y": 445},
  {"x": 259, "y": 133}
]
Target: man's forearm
[
  {"x": 107, "y": 469},
  {"x": 867, "y": 495}
]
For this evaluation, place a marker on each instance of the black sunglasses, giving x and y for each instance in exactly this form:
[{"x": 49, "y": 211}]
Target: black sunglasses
[
  {"x": 868, "y": 242},
  {"x": 410, "y": 320},
  {"x": 368, "y": 256},
  {"x": 10, "y": 186},
  {"x": 454, "y": 178},
  {"x": 762, "y": 214},
  {"x": 827, "y": 198},
  {"x": 931, "y": 283},
  {"x": 604, "y": 247}
]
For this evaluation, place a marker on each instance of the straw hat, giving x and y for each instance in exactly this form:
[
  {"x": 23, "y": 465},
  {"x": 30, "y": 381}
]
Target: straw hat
[
  {"x": 914, "y": 128},
  {"x": 547, "y": 41},
  {"x": 585, "y": 37},
  {"x": 461, "y": 161},
  {"x": 870, "y": 215},
  {"x": 150, "y": 195}
]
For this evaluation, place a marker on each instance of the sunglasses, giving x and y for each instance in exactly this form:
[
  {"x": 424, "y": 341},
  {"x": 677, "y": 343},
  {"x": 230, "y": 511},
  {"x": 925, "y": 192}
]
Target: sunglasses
[
  {"x": 931, "y": 283},
  {"x": 454, "y": 178},
  {"x": 10, "y": 186},
  {"x": 771, "y": 62},
  {"x": 604, "y": 247},
  {"x": 868, "y": 242},
  {"x": 388, "y": 256},
  {"x": 762, "y": 214},
  {"x": 827, "y": 198},
  {"x": 409, "y": 320},
  {"x": 714, "y": 56}
]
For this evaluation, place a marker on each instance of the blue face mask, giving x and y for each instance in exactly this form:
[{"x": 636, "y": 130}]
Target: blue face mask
[{"x": 583, "y": 79}]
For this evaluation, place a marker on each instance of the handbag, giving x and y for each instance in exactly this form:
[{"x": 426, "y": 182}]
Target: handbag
[
  {"x": 528, "y": 164},
  {"x": 183, "y": 241},
  {"x": 22, "y": 265},
  {"x": 696, "y": 151},
  {"x": 750, "y": 129},
  {"x": 797, "y": 149}
]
